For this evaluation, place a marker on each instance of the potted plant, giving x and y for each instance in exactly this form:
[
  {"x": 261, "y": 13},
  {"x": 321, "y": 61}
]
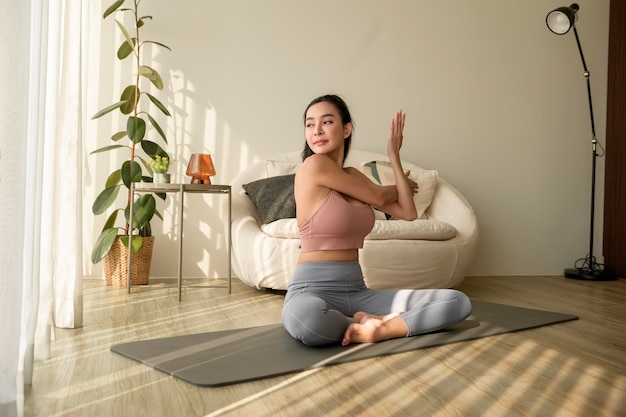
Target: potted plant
[
  {"x": 139, "y": 151},
  {"x": 161, "y": 165}
]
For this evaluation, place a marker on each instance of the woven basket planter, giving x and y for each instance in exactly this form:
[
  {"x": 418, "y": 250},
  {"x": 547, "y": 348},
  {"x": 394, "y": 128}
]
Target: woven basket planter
[{"x": 116, "y": 264}]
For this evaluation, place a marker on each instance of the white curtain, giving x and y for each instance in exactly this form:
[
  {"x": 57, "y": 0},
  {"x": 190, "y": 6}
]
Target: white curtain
[{"x": 41, "y": 135}]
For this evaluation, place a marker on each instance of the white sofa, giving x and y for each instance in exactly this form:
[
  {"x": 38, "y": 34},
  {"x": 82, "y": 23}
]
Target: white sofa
[{"x": 433, "y": 251}]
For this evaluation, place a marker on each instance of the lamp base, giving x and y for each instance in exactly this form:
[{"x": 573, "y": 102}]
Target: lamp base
[
  {"x": 201, "y": 180},
  {"x": 589, "y": 275}
]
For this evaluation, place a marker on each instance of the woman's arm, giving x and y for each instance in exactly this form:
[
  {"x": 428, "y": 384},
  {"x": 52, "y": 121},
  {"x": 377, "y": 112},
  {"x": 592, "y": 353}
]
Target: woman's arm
[
  {"x": 322, "y": 172},
  {"x": 405, "y": 208},
  {"x": 404, "y": 205}
]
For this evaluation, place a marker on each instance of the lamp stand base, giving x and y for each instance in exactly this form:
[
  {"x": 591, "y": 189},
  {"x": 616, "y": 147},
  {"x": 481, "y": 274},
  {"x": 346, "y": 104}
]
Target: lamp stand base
[
  {"x": 201, "y": 180},
  {"x": 589, "y": 275}
]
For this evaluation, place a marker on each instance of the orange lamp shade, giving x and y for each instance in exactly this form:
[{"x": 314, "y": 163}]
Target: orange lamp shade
[{"x": 200, "y": 168}]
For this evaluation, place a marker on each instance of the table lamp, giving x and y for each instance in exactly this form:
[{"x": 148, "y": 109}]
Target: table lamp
[{"x": 200, "y": 168}]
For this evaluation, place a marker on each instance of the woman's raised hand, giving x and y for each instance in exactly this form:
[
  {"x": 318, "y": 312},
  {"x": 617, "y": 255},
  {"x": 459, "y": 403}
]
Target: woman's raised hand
[{"x": 394, "y": 143}]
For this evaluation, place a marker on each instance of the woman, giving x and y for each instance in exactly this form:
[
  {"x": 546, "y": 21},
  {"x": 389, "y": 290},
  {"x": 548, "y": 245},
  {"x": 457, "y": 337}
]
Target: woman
[{"x": 327, "y": 300}]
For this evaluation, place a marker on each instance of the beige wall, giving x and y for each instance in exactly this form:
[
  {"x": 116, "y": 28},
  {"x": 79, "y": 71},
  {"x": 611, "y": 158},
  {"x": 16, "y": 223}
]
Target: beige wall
[{"x": 494, "y": 101}]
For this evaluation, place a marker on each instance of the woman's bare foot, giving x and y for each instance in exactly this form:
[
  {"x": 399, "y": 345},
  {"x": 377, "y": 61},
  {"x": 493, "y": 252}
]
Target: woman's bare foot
[
  {"x": 362, "y": 332},
  {"x": 361, "y": 316},
  {"x": 374, "y": 329}
]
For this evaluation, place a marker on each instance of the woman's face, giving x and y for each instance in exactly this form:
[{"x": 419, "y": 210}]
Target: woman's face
[{"x": 324, "y": 130}]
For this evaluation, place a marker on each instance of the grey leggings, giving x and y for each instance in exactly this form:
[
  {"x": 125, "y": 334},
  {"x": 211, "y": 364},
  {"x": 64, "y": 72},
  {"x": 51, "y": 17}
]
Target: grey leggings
[{"x": 323, "y": 296}]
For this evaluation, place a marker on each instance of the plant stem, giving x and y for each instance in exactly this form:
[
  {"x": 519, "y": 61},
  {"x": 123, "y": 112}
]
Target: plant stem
[{"x": 137, "y": 57}]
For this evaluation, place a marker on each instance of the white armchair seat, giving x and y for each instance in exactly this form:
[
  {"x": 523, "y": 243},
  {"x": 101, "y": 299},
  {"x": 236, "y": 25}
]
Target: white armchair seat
[{"x": 433, "y": 251}]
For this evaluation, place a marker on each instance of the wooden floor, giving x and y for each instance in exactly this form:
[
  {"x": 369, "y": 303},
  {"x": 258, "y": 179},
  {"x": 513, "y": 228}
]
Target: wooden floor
[{"x": 576, "y": 368}]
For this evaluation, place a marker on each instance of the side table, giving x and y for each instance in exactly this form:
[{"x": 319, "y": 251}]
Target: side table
[{"x": 182, "y": 189}]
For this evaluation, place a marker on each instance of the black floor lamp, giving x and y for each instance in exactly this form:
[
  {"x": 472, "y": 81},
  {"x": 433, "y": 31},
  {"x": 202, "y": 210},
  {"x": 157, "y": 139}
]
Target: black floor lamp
[{"x": 560, "y": 21}]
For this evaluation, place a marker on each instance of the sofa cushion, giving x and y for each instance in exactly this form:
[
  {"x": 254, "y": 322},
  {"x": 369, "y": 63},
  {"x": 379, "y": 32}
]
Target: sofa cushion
[
  {"x": 421, "y": 229},
  {"x": 274, "y": 168},
  {"x": 273, "y": 197},
  {"x": 381, "y": 173}
]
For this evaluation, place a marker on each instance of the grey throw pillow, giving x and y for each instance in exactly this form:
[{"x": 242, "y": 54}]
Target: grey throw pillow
[{"x": 273, "y": 197}]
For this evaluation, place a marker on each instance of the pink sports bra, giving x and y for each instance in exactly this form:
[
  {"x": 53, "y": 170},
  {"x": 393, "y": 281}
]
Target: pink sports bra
[{"x": 337, "y": 224}]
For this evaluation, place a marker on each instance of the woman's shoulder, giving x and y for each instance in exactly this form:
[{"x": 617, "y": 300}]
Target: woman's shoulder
[
  {"x": 315, "y": 163},
  {"x": 310, "y": 168},
  {"x": 315, "y": 159}
]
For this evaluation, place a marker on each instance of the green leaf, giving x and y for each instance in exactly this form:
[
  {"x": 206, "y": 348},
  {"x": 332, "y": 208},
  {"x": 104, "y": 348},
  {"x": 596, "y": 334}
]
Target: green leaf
[
  {"x": 152, "y": 149},
  {"x": 160, "y": 44},
  {"x": 152, "y": 75},
  {"x": 158, "y": 104},
  {"x": 146, "y": 71},
  {"x": 147, "y": 205},
  {"x": 119, "y": 135},
  {"x": 125, "y": 49},
  {"x": 146, "y": 230},
  {"x": 137, "y": 242},
  {"x": 109, "y": 148},
  {"x": 143, "y": 211},
  {"x": 105, "y": 199},
  {"x": 112, "y": 8},
  {"x": 136, "y": 128},
  {"x": 128, "y": 95},
  {"x": 131, "y": 172},
  {"x": 125, "y": 33},
  {"x": 110, "y": 223},
  {"x": 108, "y": 109},
  {"x": 114, "y": 178},
  {"x": 157, "y": 127},
  {"x": 103, "y": 245}
]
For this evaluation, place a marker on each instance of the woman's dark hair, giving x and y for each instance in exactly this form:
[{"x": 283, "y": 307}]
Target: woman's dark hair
[{"x": 344, "y": 113}]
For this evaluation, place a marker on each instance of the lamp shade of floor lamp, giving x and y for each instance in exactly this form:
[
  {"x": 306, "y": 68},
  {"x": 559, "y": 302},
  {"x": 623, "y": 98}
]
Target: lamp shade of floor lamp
[
  {"x": 560, "y": 21},
  {"x": 200, "y": 168}
]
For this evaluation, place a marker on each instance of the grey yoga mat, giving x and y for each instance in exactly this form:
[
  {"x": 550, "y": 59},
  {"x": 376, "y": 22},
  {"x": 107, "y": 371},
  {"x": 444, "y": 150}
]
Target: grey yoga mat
[{"x": 233, "y": 356}]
